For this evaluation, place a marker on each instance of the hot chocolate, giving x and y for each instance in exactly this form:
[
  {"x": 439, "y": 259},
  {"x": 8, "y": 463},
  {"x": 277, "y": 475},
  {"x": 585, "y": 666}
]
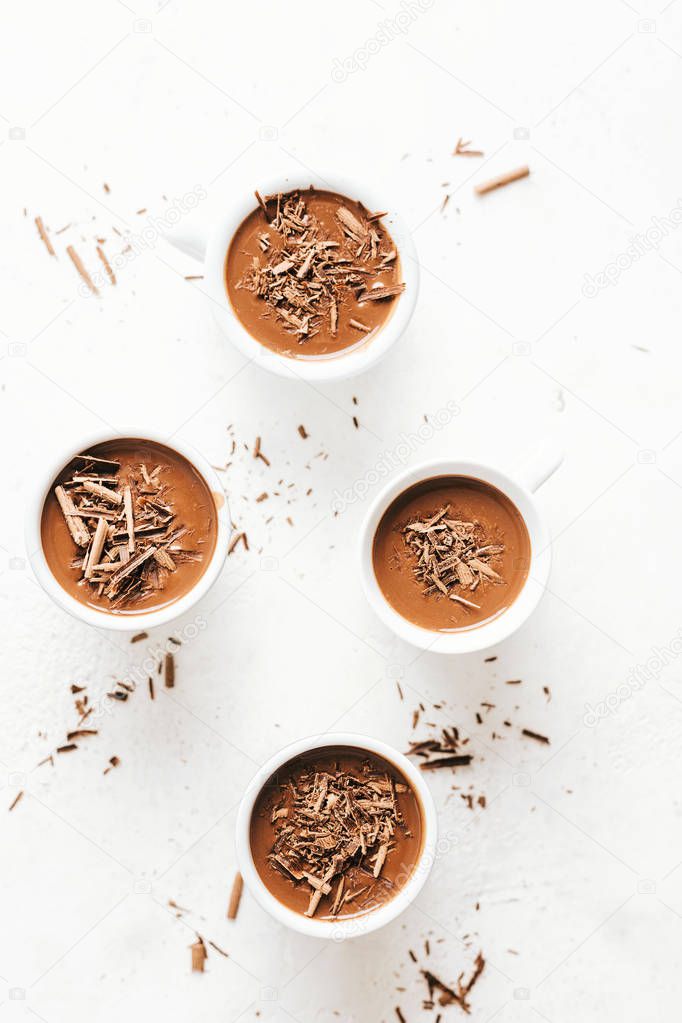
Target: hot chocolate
[
  {"x": 311, "y": 273},
  {"x": 128, "y": 526},
  {"x": 451, "y": 553},
  {"x": 336, "y": 832}
]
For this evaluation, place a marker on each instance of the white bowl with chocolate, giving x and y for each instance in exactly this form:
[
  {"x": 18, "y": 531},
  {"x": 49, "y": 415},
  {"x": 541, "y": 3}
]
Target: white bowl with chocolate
[
  {"x": 336, "y": 835},
  {"x": 313, "y": 279},
  {"x": 455, "y": 554},
  {"x": 127, "y": 532}
]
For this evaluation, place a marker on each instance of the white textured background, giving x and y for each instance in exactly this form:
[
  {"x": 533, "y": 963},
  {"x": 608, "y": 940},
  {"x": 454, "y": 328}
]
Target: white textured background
[{"x": 573, "y": 864}]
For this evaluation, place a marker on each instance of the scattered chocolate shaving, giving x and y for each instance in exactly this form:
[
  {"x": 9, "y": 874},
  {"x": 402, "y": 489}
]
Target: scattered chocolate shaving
[
  {"x": 218, "y": 949},
  {"x": 449, "y": 996},
  {"x": 462, "y": 149},
  {"x": 235, "y": 896},
  {"x": 257, "y": 453},
  {"x": 236, "y": 537},
  {"x": 502, "y": 180},
  {"x": 139, "y": 636},
  {"x": 399, "y": 1014},
  {"x": 77, "y": 689},
  {"x": 80, "y": 267},
  {"x": 303, "y": 432},
  {"x": 151, "y": 688},
  {"x": 456, "y": 760},
  {"x": 488, "y": 660},
  {"x": 513, "y": 682},
  {"x": 45, "y": 237},
  {"x": 199, "y": 955},
  {"x": 113, "y": 762},
  {"x": 67, "y": 748},
  {"x": 107, "y": 265},
  {"x": 81, "y": 733},
  {"x": 535, "y": 735},
  {"x": 169, "y": 671},
  {"x": 16, "y": 799}
]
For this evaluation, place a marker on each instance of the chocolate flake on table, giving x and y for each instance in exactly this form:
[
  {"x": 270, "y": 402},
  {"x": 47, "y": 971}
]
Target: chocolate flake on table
[
  {"x": 235, "y": 896},
  {"x": 458, "y": 995},
  {"x": 535, "y": 735},
  {"x": 462, "y": 149},
  {"x": 452, "y": 555},
  {"x": 449, "y": 744},
  {"x": 44, "y": 236},
  {"x": 199, "y": 955},
  {"x": 303, "y": 432},
  {"x": 328, "y": 823},
  {"x": 19, "y": 796},
  {"x": 127, "y": 529},
  {"x": 139, "y": 636},
  {"x": 502, "y": 180},
  {"x": 169, "y": 671},
  {"x": 303, "y": 276},
  {"x": 113, "y": 762}
]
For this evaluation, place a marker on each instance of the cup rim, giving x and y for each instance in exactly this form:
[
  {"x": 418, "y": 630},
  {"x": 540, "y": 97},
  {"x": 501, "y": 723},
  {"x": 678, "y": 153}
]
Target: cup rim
[
  {"x": 350, "y": 927},
  {"x": 347, "y": 362},
  {"x": 101, "y": 618},
  {"x": 489, "y": 633}
]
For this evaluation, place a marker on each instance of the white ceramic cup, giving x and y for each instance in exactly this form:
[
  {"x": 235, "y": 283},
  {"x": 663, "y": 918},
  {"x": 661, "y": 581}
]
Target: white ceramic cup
[
  {"x": 519, "y": 487},
  {"x": 349, "y": 927},
  {"x": 212, "y": 247},
  {"x": 105, "y": 619}
]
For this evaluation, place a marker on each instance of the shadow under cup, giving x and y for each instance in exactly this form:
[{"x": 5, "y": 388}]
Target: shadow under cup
[{"x": 496, "y": 521}]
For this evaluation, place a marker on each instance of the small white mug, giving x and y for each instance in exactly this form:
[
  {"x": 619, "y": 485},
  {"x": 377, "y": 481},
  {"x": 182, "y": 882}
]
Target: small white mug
[
  {"x": 345, "y": 927},
  {"x": 129, "y": 622},
  {"x": 212, "y": 248},
  {"x": 519, "y": 487}
]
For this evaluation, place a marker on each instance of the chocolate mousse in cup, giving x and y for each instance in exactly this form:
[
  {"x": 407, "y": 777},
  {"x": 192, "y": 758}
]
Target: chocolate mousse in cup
[
  {"x": 455, "y": 554},
  {"x": 336, "y": 835},
  {"x": 312, "y": 279},
  {"x": 128, "y": 532}
]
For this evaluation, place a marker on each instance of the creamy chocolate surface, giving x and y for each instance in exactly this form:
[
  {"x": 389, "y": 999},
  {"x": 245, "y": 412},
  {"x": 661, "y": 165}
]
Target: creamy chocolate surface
[
  {"x": 311, "y": 821},
  {"x": 451, "y": 553},
  {"x": 173, "y": 517},
  {"x": 299, "y": 269}
]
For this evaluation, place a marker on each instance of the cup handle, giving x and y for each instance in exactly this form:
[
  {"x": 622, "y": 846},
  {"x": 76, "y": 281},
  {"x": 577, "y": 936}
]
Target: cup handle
[
  {"x": 190, "y": 239},
  {"x": 539, "y": 465}
]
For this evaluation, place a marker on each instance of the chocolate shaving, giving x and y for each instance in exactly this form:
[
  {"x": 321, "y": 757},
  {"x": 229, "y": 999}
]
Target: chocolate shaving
[
  {"x": 535, "y": 735},
  {"x": 45, "y": 237},
  {"x": 169, "y": 671},
  {"x": 449, "y": 996},
  {"x": 305, "y": 274},
  {"x": 451, "y": 555},
  {"x": 107, "y": 265},
  {"x": 199, "y": 955},
  {"x": 462, "y": 149},
  {"x": 128, "y": 525},
  {"x": 16, "y": 799},
  {"x": 139, "y": 636},
  {"x": 336, "y": 821},
  {"x": 502, "y": 180},
  {"x": 235, "y": 896},
  {"x": 303, "y": 432},
  {"x": 80, "y": 266}
]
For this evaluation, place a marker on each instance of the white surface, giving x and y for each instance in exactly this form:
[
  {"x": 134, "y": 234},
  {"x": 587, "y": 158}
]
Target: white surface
[{"x": 560, "y": 867}]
